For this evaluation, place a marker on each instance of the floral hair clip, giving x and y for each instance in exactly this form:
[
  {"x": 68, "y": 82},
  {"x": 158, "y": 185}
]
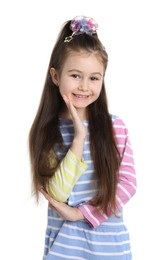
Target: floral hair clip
[{"x": 80, "y": 25}]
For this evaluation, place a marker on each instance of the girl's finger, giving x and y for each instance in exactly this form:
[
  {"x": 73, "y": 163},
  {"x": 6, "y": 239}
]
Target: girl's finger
[
  {"x": 65, "y": 98},
  {"x": 70, "y": 106},
  {"x": 45, "y": 194},
  {"x": 51, "y": 200}
]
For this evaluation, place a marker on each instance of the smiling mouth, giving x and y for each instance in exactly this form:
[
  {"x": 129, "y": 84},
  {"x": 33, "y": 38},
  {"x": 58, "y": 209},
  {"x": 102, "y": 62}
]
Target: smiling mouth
[{"x": 81, "y": 96}]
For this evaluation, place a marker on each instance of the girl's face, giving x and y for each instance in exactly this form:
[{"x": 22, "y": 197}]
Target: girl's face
[{"x": 81, "y": 79}]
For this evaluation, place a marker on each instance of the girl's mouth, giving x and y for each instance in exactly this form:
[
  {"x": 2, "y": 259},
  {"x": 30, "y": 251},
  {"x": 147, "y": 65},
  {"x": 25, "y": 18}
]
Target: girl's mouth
[{"x": 80, "y": 96}]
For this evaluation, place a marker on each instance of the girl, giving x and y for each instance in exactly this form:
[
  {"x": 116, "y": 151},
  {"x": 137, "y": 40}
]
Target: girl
[{"x": 81, "y": 157}]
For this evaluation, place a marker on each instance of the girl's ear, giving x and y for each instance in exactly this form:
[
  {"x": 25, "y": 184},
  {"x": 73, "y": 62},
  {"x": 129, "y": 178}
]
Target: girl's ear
[{"x": 55, "y": 76}]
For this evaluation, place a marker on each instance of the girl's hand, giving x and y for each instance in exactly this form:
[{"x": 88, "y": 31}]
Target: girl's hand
[
  {"x": 80, "y": 129},
  {"x": 65, "y": 211}
]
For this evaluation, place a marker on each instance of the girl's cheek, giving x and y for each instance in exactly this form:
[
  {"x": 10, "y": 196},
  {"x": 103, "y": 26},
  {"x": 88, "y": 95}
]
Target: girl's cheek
[{"x": 64, "y": 93}]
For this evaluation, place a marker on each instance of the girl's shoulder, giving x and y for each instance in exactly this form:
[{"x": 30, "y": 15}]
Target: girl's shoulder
[
  {"x": 117, "y": 120},
  {"x": 118, "y": 124}
]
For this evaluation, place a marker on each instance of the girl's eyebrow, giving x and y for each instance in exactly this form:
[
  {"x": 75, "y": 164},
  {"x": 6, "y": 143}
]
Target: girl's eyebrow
[{"x": 79, "y": 71}]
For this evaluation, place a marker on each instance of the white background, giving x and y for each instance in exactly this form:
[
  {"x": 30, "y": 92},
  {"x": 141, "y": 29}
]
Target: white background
[{"x": 131, "y": 32}]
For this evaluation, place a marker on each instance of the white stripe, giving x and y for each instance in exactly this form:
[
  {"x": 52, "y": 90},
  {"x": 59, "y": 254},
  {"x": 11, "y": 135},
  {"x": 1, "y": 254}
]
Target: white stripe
[
  {"x": 63, "y": 180},
  {"x": 127, "y": 173},
  {"x": 70, "y": 172},
  {"x": 53, "y": 228},
  {"x": 129, "y": 145},
  {"x": 70, "y": 257},
  {"x": 90, "y": 214},
  {"x": 88, "y": 171},
  {"x": 127, "y": 164},
  {"x": 67, "y": 134},
  {"x": 59, "y": 190},
  {"x": 69, "y": 143},
  {"x": 124, "y": 190},
  {"x": 77, "y": 201},
  {"x": 86, "y": 152},
  {"x": 68, "y": 184},
  {"x": 90, "y": 252},
  {"x": 121, "y": 136},
  {"x": 119, "y": 200},
  {"x": 121, "y": 145},
  {"x": 75, "y": 163},
  {"x": 119, "y": 126},
  {"x": 128, "y": 155},
  {"x": 94, "y": 243},
  {"x": 63, "y": 154},
  {"x": 134, "y": 186},
  {"x": 88, "y": 161},
  {"x": 106, "y": 217},
  {"x": 113, "y": 224},
  {"x": 55, "y": 218},
  {"x": 83, "y": 192},
  {"x": 87, "y": 182}
]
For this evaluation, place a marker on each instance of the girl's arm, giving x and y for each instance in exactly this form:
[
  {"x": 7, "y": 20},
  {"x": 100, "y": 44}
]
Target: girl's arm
[
  {"x": 65, "y": 177},
  {"x": 72, "y": 166},
  {"x": 126, "y": 186}
]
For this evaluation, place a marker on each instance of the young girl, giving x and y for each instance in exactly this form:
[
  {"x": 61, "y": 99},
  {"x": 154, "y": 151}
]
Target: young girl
[{"x": 81, "y": 157}]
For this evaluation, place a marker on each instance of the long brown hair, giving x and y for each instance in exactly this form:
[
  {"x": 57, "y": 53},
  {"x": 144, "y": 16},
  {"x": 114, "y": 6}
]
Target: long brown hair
[{"x": 45, "y": 133}]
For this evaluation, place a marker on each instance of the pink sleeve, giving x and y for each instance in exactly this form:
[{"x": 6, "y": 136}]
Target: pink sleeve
[{"x": 126, "y": 186}]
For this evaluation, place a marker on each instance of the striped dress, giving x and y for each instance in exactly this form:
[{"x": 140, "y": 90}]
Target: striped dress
[{"x": 98, "y": 236}]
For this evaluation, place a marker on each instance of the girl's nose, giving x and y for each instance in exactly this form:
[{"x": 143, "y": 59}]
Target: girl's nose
[{"x": 83, "y": 86}]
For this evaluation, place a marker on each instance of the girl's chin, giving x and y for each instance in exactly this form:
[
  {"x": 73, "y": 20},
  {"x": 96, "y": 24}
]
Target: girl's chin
[
  {"x": 80, "y": 107},
  {"x": 80, "y": 104}
]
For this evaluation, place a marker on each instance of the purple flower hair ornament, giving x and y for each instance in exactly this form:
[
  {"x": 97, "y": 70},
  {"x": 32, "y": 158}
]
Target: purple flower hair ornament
[{"x": 80, "y": 25}]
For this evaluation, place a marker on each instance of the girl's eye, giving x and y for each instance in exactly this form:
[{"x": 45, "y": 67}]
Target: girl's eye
[
  {"x": 94, "y": 78},
  {"x": 75, "y": 76}
]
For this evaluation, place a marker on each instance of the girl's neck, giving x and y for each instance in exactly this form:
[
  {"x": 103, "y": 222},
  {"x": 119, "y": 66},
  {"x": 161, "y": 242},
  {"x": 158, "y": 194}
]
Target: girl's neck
[{"x": 66, "y": 114}]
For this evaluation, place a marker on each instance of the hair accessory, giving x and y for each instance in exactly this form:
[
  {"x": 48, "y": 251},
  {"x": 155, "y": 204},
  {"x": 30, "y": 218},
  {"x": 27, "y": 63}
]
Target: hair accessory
[{"x": 80, "y": 25}]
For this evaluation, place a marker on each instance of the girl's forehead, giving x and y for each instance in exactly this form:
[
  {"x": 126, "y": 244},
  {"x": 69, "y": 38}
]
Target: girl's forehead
[
  {"x": 84, "y": 62},
  {"x": 83, "y": 56},
  {"x": 82, "y": 53}
]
